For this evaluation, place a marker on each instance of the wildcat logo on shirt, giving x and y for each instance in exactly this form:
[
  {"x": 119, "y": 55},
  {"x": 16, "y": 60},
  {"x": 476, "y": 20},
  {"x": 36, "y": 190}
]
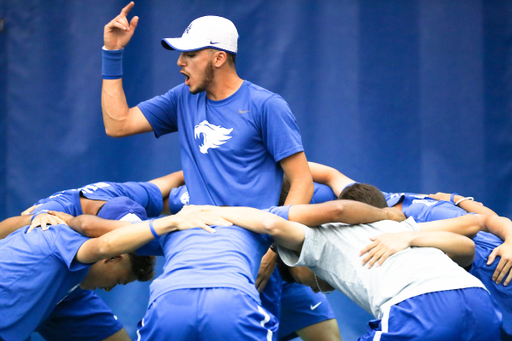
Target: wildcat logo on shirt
[{"x": 213, "y": 136}]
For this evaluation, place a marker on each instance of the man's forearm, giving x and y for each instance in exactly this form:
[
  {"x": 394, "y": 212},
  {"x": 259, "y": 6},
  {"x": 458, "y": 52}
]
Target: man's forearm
[
  {"x": 10, "y": 225},
  {"x": 114, "y": 106},
  {"x": 344, "y": 211},
  {"x": 285, "y": 233},
  {"x": 499, "y": 226},
  {"x": 301, "y": 192}
]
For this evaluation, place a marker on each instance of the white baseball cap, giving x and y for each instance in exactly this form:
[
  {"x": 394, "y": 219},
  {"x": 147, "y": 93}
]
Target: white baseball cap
[{"x": 206, "y": 32}]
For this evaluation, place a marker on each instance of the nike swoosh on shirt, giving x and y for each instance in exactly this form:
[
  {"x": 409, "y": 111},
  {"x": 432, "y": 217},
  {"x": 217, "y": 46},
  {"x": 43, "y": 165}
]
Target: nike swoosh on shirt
[
  {"x": 313, "y": 307},
  {"x": 243, "y": 111}
]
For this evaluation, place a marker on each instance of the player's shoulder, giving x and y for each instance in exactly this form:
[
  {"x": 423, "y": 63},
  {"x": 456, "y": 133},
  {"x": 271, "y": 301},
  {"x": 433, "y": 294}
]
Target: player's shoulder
[{"x": 262, "y": 96}]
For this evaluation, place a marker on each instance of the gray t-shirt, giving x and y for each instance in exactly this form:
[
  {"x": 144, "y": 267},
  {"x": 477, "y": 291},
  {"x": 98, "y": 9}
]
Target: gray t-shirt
[{"x": 332, "y": 253}]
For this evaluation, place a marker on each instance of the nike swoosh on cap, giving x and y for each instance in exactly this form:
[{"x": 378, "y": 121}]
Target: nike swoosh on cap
[{"x": 214, "y": 42}]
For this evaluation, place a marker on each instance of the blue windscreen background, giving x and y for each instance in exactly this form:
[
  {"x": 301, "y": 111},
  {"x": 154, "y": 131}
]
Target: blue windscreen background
[{"x": 410, "y": 96}]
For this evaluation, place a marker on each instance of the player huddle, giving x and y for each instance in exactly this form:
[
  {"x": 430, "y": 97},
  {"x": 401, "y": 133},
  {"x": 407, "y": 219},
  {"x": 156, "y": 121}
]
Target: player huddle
[{"x": 246, "y": 200}]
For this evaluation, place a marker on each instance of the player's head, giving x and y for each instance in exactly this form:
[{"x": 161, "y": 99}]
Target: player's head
[
  {"x": 123, "y": 269},
  {"x": 366, "y": 193},
  {"x": 302, "y": 275},
  {"x": 208, "y": 43}
]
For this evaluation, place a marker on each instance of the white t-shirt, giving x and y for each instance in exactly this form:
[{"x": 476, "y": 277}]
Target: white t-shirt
[{"x": 332, "y": 253}]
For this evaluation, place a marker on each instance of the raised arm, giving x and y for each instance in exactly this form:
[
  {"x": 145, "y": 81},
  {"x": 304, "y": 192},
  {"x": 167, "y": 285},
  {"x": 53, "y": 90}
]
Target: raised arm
[
  {"x": 297, "y": 172},
  {"x": 329, "y": 176},
  {"x": 119, "y": 119}
]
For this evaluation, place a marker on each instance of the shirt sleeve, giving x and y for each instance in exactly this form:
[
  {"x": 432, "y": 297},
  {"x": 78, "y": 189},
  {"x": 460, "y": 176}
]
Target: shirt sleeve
[
  {"x": 309, "y": 254},
  {"x": 67, "y": 244},
  {"x": 162, "y": 112},
  {"x": 280, "y": 131}
]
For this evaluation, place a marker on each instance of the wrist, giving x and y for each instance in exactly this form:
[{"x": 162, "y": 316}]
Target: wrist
[
  {"x": 463, "y": 199},
  {"x": 112, "y": 63}
]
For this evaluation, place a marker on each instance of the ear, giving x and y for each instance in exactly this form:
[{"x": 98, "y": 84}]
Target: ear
[
  {"x": 113, "y": 259},
  {"x": 220, "y": 58}
]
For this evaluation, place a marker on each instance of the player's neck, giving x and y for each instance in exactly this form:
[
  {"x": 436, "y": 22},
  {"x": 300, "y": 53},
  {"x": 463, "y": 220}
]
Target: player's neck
[{"x": 224, "y": 86}]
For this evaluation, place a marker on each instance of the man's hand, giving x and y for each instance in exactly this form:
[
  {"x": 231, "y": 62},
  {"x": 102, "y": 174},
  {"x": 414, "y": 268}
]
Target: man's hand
[
  {"x": 119, "y": 31},
  {"x": 505, "y": 264},
  {"x": 384, "y": 246},
  {"x": 185, "y": 221},
  {"x": 267, "y": 266},
  {"x": 45, "y": 219},
  {"x": 440, "y": 196},
  {"x": 395, "y": 214}
]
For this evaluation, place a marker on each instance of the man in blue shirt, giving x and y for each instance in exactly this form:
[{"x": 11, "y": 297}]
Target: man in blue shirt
[
  {"x": 39, "y": 269},
  {"x": 236, "y": 142},
  {"x": 232, "y": 132}
]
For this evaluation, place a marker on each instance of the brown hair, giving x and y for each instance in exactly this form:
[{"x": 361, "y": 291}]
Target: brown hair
[{"x": 366, "y": 193}]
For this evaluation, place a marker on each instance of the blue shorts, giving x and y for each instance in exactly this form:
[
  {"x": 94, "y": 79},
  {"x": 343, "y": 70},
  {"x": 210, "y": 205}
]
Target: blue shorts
[
  {"x": 300, "y": 308},
  {"x": 485, "y": 243},
  {"x": 271, "y": 295},
  {"x": 80, "y": 316},
  {"x": 452, "y": 315},
  {"x": 206, "y": 314}
]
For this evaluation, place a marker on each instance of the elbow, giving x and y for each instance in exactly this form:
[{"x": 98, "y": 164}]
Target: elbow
[
  {"x": 338, "y": 208},
  {"x": 113, "y": 132},
  {"x": 270, "y": 226},
  {"x": 105, "y": 248}
]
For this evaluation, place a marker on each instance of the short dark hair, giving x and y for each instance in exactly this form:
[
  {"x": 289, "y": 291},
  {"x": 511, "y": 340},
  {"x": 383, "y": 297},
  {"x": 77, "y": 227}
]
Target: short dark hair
[
  {"x": 284, "y": 270},
  {"x": 231, "y": 58},
  {"x": 142, "y": 266},
  {"x": 366, "y": 193}
]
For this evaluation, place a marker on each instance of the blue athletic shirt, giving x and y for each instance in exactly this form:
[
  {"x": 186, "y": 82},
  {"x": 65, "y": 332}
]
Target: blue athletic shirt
[
  {"x": 146, "y": 194},
  {"x": 194, "y": 258},
  {"x": 322, "y": 193},
  {"x": 179, "y": 196},
  {"x": 422, "y": 208},
  {"x": 82, "y": 316},
  {"x": 229, "y": 148},
  {"x": 37, "y": 271}
]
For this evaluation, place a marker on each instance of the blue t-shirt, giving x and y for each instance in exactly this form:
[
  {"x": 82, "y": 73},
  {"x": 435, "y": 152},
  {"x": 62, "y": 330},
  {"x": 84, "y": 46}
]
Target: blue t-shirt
[
  {"x": 485, "y": 243},
  {"x": 81, "y": 316},
  {"x": 422, "y": 208},
  {"x": 37, "y": 271},
  {"x": 228, "y": 258},
  {"x": 180, "y": 197},
  {"x": 146, "y": 194},
  {"x": 229, "y": 148},
  {"x": 322, "y": 193}
]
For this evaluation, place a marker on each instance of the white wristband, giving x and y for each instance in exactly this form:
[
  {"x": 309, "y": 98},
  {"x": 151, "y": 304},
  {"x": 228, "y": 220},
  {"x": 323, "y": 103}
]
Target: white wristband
[{"x": 461, "y": 200}]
